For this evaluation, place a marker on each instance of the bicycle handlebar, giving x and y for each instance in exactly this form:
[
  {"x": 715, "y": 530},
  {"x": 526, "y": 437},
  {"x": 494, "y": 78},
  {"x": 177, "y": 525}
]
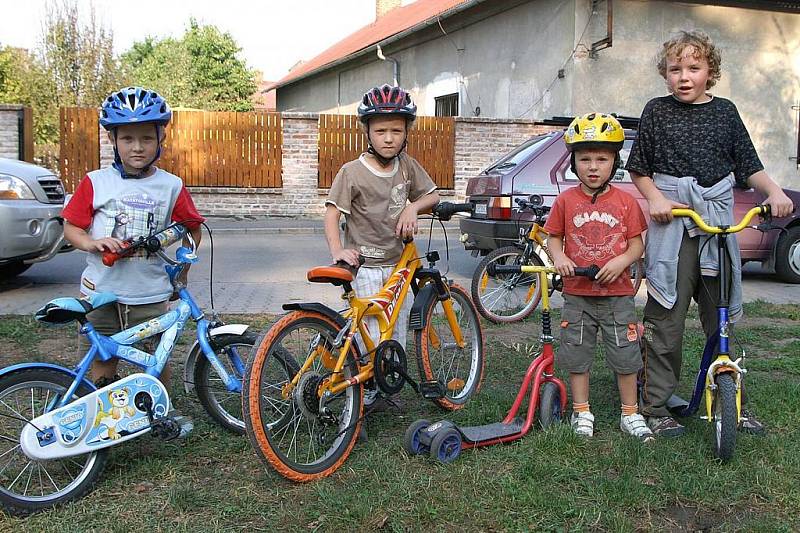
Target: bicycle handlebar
[
  {"x": 153, "y": 244},
  {"x": 762, "y": 210},
  {"x": 590, "y": 271}
]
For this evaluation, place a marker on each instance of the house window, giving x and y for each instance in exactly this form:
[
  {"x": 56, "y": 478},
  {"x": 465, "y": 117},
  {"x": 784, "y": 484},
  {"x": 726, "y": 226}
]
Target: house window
[{"x": 447, "y": 105}]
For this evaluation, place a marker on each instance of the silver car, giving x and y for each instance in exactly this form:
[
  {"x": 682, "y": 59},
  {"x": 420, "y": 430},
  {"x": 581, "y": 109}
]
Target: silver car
[{"x": 31, "y": 227}]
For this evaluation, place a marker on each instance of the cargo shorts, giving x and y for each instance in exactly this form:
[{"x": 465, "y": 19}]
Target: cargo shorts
[{"x": 614, "y": 317}]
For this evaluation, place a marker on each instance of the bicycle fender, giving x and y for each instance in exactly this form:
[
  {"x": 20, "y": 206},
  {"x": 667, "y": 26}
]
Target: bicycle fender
[
  {"x": 426, "y": 296},
  {"x": 24, "y": 366},
  {"x": 195, "y": 350},
  {"x": 319, "y": 308}
]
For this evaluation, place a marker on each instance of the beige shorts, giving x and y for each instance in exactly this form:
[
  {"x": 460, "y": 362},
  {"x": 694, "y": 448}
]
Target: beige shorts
[
  {"x": 113, "y": 318},
  {"x": 614, "y": 317}
]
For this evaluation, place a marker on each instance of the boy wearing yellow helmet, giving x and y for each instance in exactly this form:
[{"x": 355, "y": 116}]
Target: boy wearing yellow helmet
[{"x": 597, "y": 223}]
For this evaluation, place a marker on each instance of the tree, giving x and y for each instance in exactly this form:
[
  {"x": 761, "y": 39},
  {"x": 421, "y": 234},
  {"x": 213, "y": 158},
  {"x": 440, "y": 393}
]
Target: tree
[{"x": 200, "y": 70}]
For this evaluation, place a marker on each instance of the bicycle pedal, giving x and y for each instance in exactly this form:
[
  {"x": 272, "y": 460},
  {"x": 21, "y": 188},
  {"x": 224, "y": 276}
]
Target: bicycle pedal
[
  {"x": 169, "y": 428},
  {"x": 432, "y": 390}
]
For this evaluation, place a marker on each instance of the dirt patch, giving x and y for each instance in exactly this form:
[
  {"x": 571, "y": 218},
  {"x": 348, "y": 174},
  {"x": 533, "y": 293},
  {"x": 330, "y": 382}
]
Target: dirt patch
[{"x": 678, "y": 517}]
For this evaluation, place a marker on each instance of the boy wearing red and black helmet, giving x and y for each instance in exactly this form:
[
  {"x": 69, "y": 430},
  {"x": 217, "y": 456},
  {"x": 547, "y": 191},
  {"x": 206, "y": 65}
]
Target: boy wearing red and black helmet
[{"x": 380, "y": 195}]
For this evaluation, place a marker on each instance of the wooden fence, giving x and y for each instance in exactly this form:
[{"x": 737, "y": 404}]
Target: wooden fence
[
  {"x": 224, "y": 149},
  {"x": 80, "y": 144},
  {"x": 431, "y": 142},
  {"x": 204, "y": 148}
]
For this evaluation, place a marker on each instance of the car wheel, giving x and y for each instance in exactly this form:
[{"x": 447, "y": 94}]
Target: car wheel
[
  {"x": 787, "y": 256},
  {"x": 10, "y": 270}
]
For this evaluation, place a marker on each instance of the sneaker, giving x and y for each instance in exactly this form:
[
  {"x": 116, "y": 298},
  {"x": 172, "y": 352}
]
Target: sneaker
[
  {"x": 370, "y": 396},
  {"x": 184, "y": 422},
  {"x": 583, "y": 423},
  {"x": 750, "y": 424},
  {"x": 635, "y": 426},
  {"x": 665, "y": 426}
]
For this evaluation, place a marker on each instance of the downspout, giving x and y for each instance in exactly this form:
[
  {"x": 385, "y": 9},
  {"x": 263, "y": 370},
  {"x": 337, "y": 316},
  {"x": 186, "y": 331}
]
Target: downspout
[{"x": 395, "y": 65}]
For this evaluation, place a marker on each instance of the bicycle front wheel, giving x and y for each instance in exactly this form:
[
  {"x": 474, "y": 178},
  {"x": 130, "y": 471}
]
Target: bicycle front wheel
[
  {"x": 302, "y": 436},
  {"x": 26, "y": 485},
  {"x": 725, "y": 416},
  {"x": 459, "y": 369},
  {"x": 224, "y": 406},
  {"x": 505, "y": 298}
]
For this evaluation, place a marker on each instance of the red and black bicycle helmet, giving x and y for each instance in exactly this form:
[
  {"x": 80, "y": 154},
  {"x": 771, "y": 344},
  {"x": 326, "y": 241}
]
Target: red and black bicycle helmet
[{"x": 386, "y": 100}]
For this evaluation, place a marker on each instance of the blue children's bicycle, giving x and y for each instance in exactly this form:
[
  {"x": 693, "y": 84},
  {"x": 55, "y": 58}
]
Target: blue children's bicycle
[{"x": 56, "y": 427}]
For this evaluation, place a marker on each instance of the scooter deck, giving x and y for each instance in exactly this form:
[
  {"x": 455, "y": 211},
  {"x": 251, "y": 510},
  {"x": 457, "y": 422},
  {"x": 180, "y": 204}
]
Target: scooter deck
[{"x": 473, "y": 434}]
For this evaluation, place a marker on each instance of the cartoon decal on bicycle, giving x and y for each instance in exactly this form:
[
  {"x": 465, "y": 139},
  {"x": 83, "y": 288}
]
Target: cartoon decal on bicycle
[
  {"x": 303, "y": 391},
  {"x": 57, "y": 427}
]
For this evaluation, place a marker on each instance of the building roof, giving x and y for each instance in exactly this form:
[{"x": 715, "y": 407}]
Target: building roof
[{"x": 394, "y": 22}]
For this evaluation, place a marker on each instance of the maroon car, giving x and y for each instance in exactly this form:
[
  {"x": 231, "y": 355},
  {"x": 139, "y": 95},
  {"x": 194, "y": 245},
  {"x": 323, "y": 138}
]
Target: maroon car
[{"x": 541, "y": 166}]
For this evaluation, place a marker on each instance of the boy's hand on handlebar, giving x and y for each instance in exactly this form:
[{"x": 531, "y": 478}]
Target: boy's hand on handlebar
[
  {"x": 780, "y": 205},
  {"x": 106, "y": 244},
  {"x": 407, "y": 222},
  {"x": 661, "y": 209},
  {"x": 612, "y": 270},
  {"x": 565, "y": 266},
  {"x": 347, "y": 255}
]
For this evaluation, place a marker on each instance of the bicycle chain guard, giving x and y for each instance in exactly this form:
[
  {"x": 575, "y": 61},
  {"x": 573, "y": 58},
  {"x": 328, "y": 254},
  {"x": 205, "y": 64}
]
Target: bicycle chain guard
[{"x": 391, "y": 367}]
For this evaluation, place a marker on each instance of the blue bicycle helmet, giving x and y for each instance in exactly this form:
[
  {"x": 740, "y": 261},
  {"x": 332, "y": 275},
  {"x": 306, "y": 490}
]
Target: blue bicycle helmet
[{"x": 134, "y": 105}]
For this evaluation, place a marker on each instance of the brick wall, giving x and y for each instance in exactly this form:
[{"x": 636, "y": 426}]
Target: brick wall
[
  {"x": 479, "y": 142},
  {"x": 9, "y": 130}
]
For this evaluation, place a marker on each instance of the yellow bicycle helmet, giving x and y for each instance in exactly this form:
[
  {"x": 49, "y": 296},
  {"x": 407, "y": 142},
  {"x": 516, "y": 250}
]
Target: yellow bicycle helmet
[{"x": 595, "y": 130}]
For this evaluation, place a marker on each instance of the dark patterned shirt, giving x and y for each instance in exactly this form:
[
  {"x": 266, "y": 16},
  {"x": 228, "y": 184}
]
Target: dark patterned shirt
[{"x": 707, "y": 141}]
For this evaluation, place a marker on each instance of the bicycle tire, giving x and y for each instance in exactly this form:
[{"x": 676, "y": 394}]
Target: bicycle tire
[
  {"x": 270, "y": 418},
  {"x": 223, "y": 406},
  {"x": 550, "y": 411},
  {"x": 519, "y": 294},
  {"x": 723, "y": 409},
  {"x": 444, "y": 364},
  {"x": 29, "y": 380}
]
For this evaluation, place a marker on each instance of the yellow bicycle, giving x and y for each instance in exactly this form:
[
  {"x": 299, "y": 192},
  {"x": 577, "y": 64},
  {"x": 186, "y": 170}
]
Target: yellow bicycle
[{"x": 303, "y": 397}]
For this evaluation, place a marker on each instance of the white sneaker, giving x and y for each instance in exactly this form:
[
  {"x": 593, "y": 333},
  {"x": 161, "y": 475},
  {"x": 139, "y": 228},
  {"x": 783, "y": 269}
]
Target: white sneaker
[
  {"x": 583, "y": 423},
  {"x": 370, "y": 395},
  {"x": 635, "y": 426}
]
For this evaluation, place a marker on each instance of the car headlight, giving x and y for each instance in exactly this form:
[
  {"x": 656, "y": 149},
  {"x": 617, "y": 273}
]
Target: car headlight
[{"x": 12, "y": 188}]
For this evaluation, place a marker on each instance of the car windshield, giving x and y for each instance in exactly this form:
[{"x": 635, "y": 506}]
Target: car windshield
[{"x": 519, "y": 155}]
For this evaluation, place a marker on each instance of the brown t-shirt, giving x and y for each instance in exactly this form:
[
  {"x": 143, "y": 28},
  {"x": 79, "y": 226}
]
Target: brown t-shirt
[{"x": 372, "y": 201}]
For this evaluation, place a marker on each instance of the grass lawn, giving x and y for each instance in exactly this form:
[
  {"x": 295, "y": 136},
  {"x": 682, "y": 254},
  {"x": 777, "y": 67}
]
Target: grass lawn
[{"x": 547, "y": 481}]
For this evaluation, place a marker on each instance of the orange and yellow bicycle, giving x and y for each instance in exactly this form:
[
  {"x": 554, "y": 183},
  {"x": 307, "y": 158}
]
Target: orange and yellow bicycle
[{"x": 303, "y": 397}]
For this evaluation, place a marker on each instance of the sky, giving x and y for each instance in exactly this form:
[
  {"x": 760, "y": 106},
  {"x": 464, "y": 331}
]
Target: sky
[{"x": 273, "y": 34}]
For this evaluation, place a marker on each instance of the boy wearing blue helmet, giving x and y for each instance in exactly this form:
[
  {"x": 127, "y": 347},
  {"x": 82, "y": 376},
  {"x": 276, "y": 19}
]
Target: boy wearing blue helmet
[{"x": 129, "y": 199}]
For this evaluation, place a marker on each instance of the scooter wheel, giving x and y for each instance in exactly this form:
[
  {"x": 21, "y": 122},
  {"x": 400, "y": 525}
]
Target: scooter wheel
[
  {"x": 446, "y": 446},
  {"x": 411, "y": 441}
]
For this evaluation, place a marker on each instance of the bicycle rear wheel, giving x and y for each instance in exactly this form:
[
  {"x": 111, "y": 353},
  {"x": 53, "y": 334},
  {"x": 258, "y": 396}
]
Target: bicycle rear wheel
[
  {"x": 300, "y": 436},
  {"x": 505, "y": 298},
  {"x": 460, "y": 369},
  {"x": 723, "y": 409},
  {"x": 26, "y": 485}
]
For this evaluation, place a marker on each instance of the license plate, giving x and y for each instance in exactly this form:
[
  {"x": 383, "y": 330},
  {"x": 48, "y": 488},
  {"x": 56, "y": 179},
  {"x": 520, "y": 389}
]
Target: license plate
[{"x": 480, "y": 209}]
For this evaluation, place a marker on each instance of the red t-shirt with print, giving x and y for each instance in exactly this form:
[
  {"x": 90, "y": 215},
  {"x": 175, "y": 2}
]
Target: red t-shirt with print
[{"x": 594, "y": 234}]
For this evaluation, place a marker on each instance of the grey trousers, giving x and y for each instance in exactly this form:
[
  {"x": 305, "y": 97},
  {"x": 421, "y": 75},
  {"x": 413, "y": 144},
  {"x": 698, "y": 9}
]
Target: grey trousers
[{"x": 664, "y": 328}]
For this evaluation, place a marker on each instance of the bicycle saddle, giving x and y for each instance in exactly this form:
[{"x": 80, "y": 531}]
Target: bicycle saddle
[
  {"x": 335, "y": 274},
  {"x": 65, "y": 310}
]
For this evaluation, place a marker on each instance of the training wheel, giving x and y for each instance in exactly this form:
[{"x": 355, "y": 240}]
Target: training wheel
[{"x": 411, "y": 440}]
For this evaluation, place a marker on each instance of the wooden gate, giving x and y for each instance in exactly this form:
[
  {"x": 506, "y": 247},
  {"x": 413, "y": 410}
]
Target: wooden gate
[
  {"x": 79, "y": 144},
  {"x": 431, "y": 142}
]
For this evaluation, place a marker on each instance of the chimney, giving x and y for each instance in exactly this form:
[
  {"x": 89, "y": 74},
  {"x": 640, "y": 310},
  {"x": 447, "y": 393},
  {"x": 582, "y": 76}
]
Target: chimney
[{"x": 384, "y": 6}]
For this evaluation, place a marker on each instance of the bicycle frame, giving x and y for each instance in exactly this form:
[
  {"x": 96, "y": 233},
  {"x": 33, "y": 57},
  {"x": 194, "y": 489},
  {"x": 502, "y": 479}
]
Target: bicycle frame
[
  {"x": 171, "y": 324},
  {"x": 385, "y": 306},
  {"x": 719, "y": 341}
]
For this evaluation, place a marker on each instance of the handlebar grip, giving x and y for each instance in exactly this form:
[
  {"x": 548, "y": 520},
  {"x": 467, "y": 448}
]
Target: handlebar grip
[
  {"x": 766, "y": 210},
  {"x": 590, "y": 272},
  {"x": 493, "y": 269},
  {"x": 109, "y": 258},
  {"x": 445, "y": 210}
]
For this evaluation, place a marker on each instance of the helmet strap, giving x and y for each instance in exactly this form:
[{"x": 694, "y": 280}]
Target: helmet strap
[{"x": 117, "y": 164}]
